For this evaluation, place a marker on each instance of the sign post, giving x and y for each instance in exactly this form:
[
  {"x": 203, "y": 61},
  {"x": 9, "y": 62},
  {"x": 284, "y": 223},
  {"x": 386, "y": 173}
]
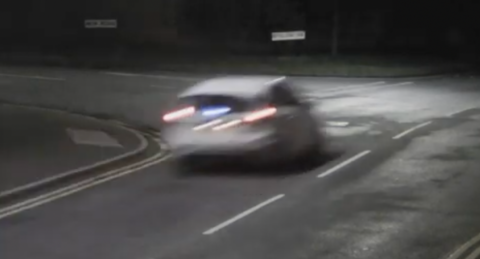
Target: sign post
[
  {"x": 100, "y": 24},
  {"x": 335, "y": 29},
  {"x": 290, "y": 38},
  {"x": 288, "y": 35},
  {"x": 102, "y": 34}
]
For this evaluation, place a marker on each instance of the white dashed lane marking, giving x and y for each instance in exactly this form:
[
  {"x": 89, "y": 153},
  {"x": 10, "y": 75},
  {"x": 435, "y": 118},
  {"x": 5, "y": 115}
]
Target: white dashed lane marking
[
  {"x": 344, "y": 164},
  {"x": 243, "y": 214}
]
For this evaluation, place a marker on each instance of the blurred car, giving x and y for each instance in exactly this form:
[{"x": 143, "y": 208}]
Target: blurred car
[{"x": 258, "y": 120}]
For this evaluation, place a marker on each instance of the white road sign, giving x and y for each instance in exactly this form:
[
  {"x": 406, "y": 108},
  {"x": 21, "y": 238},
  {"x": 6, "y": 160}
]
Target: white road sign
[
  {"x": 288, "y": 35},
  {"x": 94, "y": 24}
]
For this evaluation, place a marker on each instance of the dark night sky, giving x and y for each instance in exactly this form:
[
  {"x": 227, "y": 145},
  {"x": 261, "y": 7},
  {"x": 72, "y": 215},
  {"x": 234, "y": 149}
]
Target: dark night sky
[{"x": 367, "y": 24}]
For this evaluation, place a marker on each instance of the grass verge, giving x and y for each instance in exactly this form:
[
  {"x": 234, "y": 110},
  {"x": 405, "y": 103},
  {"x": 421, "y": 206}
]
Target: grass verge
[{"x": 346, "y": 66}]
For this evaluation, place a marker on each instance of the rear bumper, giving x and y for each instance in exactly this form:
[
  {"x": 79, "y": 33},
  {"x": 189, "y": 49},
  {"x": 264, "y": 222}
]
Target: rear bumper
[
  {"x": 229, "y": 145},
  {"x": 225, "y": 149}
]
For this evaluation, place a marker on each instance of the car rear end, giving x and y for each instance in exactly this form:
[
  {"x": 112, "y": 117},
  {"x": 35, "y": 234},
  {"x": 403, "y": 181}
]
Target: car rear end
[{"x": 215, "y": 127}]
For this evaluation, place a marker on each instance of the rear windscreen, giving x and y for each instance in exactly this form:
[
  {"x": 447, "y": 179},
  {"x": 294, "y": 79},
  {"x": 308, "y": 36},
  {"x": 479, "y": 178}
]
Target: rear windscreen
[{"x": 214, "y": 104}]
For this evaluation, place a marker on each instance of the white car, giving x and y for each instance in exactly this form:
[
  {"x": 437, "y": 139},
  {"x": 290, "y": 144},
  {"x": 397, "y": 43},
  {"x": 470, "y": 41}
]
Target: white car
[{"x": 260, "y": 120}]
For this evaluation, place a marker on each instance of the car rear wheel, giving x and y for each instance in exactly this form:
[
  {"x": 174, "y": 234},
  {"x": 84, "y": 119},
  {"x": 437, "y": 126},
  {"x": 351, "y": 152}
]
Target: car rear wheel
[
  {"x": 316, "y": 147},
  {"x": 188, "y": 165}
]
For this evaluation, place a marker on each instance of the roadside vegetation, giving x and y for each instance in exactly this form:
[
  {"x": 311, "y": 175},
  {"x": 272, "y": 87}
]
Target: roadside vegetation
[{"x": 315, "y": 65}]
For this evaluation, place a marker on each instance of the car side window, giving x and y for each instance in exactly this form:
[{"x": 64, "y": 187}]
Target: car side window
[{"x": 283, "y": 96}]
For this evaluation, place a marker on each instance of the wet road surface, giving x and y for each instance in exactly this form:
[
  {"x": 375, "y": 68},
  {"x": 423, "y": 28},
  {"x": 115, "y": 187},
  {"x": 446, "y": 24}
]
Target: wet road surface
[
  {"x": 38, "y": 145},
  {"x": 404, "y": 185}
]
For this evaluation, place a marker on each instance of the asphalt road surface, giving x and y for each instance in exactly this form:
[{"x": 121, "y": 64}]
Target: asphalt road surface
[
  {"x": 404, "y": 186},
  {"x": 38, "y": 145}
]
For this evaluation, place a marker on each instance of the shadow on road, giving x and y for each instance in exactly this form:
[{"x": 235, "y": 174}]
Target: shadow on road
[{"x": 238, "y": 169}]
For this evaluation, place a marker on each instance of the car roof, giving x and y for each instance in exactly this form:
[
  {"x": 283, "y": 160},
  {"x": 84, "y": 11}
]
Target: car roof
[{"x": 238, "y": 86}]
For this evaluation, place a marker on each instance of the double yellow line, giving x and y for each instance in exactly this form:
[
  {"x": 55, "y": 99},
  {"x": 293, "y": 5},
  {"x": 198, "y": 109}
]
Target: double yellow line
[{"x": 82, "y": 185}]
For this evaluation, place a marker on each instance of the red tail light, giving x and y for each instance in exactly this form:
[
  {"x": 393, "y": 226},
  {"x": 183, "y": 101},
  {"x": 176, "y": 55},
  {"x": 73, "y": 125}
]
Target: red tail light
[
  {"x": 179, "y": 114},
  {"x": 260, "y": 114}
]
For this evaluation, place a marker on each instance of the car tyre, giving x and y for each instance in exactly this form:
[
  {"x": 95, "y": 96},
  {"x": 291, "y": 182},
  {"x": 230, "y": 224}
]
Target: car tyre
[
  {"x": 186, "y": 165},
  {"x": 316, "y": 149}
]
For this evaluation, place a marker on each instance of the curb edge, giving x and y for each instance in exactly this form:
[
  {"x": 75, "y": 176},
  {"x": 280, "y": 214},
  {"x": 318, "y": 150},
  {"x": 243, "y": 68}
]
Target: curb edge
[{"x": 78, "y": 171}]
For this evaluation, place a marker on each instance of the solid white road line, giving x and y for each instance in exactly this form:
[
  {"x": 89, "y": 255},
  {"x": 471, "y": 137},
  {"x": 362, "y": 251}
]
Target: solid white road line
[
  {"x": 243, "y": 214},
  {"x": 119, "y": 74},
  {"x": 181, "y": 78},
  {"x": 353, "y": 86},
  {"x": 337, "y": 123},
  {"x": 271, "y": 82},
  {"x": 459, "y": 252},
  {"x": 371, "y": 87},
  {"x": 475, "y": 254},
  {"x": 34, "y": 77},
  {"x": 80, "y": 186},
  {"x": 344, "y": 163},
  {"x": 400, "y": 84},
  {"x": 170, "y": 87},
  {"x": 403, "y": 134},
  {"x": 353, "y": 89},
  {"x": 460, "y": 111}
]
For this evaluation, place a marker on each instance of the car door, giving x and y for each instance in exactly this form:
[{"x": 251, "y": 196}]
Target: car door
[{"x": 292, "y": 129}]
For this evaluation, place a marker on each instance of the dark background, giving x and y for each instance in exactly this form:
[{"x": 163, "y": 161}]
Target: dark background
[{"x": 443, "y": 27}]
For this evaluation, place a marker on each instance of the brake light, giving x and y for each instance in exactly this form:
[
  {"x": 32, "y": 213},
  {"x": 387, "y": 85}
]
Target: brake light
[
  {"x": 182, "y": 113},
  {"x": 260, "y": 114}
]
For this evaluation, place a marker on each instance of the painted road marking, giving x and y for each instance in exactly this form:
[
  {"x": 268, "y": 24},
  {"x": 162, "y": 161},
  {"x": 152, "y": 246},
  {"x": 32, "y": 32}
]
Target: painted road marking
[
  {"x": 243, "y": 214},
  {"x": 344, "y": 163},
  {"x": 92, "y": 137},
  {"x": 400, "y": 84},
  {"x": 378, "y": 86},
  {"x": 119, "y": 74},
  {"x": 271, "y": 82},
  {"x": 403, "y": 134},
  {"x": 459, "y": 252},
  {"x": 354, "y": 86},
  {"x": 460, "y": 111},
  {"x": 346, "y": 131},
  {"x": 80, "y": 186},
  {"x": 172, "y": 87},
  {"x": 351, "y": 89},
  {"x": 337, "y": 123},
  {"x": 311, "y": 91},
  {"x": 34, "y": 77},
  {"x": 475, "y": 254},
  {"x": 141, "y": 147},
  {"x": 181, "y": 78}
]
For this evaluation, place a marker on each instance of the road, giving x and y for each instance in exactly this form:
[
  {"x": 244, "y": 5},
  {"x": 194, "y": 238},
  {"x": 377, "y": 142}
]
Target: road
[
  {"x": 41, "y": 146},
  {"x": 404, "y": 186}
]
